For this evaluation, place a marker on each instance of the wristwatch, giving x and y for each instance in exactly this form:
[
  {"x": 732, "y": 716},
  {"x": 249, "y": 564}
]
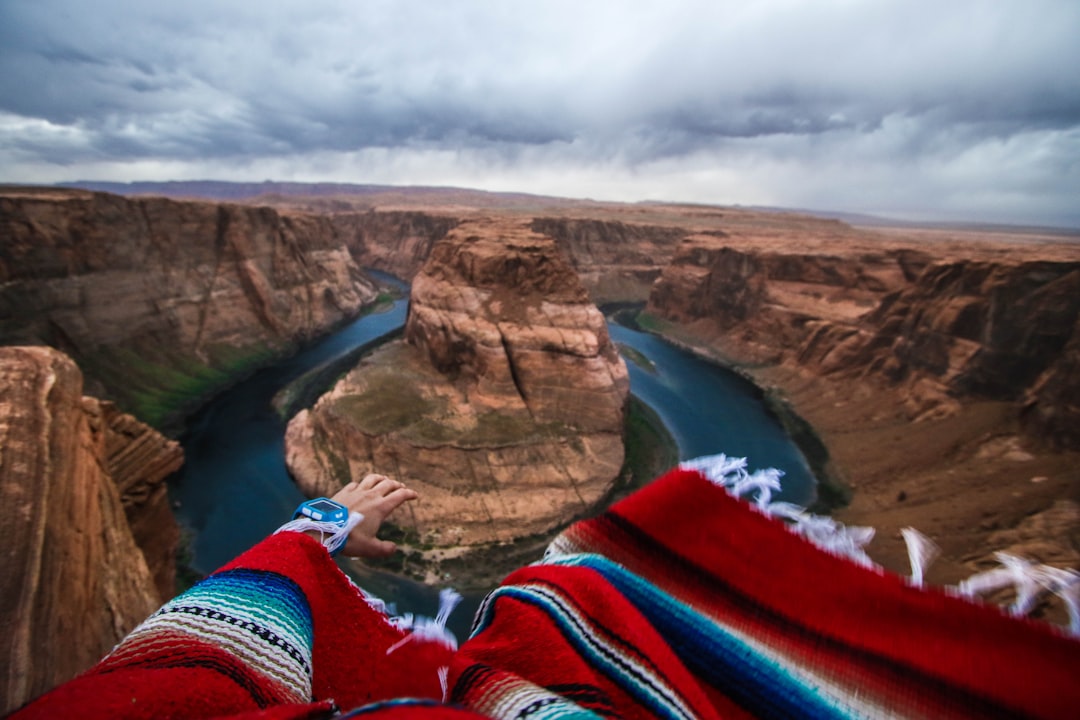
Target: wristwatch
[
  {"x": 323, "y": 510},
  {"x": 328, "y": 517}
]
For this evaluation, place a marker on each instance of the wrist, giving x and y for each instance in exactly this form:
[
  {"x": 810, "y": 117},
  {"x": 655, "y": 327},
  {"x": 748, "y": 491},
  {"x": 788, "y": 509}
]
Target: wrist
[{"x": 324, "y": 520}]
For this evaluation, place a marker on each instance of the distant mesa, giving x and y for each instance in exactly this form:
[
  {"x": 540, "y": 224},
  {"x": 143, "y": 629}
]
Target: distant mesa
[{"x": 503, "y": 406}]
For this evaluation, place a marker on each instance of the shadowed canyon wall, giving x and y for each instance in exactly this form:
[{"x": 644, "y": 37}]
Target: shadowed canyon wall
[
  {"x": 77, "y": 575},
  {"x": 161, "y": 302}
]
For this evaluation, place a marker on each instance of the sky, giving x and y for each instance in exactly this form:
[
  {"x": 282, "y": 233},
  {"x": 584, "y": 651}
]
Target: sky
[{"x": 965, "y": 110}]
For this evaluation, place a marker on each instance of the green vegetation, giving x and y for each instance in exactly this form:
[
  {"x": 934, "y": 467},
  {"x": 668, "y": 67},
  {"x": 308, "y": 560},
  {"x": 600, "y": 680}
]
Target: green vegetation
[
  {"x": 391, "y": 403},
  {"x": 160, "y": 387},
  {"x": 306, "y": 389},
  {"x": 653, "y": 324},
  {"x": 637, "y": 357},
  {"x": 650, "y": 449}
]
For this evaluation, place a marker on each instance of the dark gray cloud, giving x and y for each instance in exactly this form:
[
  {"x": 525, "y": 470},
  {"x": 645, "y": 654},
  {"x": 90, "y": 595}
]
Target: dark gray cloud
[{"x": 960, "y": 109}]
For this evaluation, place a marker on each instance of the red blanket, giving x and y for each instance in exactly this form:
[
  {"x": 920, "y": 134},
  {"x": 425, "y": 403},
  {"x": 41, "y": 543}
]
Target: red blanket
[{"x": 681, "y": 601}]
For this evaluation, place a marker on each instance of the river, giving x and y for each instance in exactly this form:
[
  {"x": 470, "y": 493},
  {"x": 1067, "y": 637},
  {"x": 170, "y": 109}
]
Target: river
[{"x": 234, "y": 488}]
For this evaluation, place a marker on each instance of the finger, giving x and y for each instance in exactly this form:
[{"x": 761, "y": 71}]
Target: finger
[
  {"x": 389, "y": 486},
  {"x": 382, "y": 548},
  {"x": 396, "y": 499},
  {"x": 371, "y": 480}
]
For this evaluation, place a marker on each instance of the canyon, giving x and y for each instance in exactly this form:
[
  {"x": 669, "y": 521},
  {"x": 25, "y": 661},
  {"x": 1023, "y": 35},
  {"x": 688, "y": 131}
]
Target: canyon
[
  {"x": 938, "y": 368},
  {"x": 503, "y": 406},
  {"x": 162, "y": 302}
]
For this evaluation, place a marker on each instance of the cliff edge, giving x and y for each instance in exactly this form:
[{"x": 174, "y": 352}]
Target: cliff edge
[{"x": 82, "y": 486}]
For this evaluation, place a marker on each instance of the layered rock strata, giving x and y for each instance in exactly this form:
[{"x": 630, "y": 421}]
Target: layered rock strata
[
  {"x": 393, "y": 241},
  {"x": 503, "y": 407},
  {"x": 617, "y": 261},
  {"x": 161, "y": 302},
  {"x": 71, "y": 469},
  {"x": 942, "y": 331}
]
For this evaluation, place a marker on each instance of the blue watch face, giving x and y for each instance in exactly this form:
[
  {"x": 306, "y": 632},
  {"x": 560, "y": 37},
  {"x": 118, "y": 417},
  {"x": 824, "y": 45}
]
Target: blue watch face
[{"x": 324, "y": 506}]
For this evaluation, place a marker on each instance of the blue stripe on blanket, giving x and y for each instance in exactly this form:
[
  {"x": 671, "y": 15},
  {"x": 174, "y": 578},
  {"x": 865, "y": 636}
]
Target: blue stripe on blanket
[
  {"x": 757, "y": 682},
  {"x": 626, "y": 670}
]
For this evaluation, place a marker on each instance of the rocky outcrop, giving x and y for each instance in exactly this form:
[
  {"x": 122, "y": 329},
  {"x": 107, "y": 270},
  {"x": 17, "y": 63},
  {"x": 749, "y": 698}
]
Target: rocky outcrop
[
  {"x": 138, "y": 459},
  {"x": 978, "y": 330},
  {"x": 393, "y": 241},
  {"x": 617, "y": 261},
  {"x": 940, "y": 332},
  {"x": 161, "y": 302},
  {"x": 764, "y": 306},
  {"x": 71, "y": 469},
  {"x": 503, "y": 407}
]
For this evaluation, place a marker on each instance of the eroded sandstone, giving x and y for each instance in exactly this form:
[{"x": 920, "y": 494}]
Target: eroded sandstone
[
  {"x": 75, "y": 578},
  {"x": 160, "y": 301},
  {"x": 503, "y": 406},
  {"x": 938, "y": 368}
]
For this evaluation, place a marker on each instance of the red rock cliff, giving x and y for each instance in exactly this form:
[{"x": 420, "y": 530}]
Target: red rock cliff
[
  {"x": 75, "y": 581},
  {"x": 503, "y": 409},
  {"x": 162, "y": 301},
  {"x": 939, "y": 331}
]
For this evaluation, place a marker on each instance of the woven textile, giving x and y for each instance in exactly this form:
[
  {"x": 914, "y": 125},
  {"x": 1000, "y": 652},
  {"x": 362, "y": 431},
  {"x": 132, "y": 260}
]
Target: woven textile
[{"x": 681, "y": 601}]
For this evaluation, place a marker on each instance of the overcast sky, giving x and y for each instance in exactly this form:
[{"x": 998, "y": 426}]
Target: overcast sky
[{"x": 940, "y": 109}]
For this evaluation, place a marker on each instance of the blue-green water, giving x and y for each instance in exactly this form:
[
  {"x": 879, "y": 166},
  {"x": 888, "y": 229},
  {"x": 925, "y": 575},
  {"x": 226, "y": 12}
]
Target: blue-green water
[
  {"x": 709, "y": 409},
  {"x": 234, "y": 489}
]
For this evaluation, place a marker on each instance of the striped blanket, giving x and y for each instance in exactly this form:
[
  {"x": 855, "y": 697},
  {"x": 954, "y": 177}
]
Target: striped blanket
[{"x": 682, "y": 601}]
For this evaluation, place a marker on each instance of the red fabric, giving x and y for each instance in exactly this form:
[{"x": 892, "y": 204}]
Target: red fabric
[
  {"x": 915, "y": 652},
  {"x": 1023, "y": 664},
  {"x": 349, "y": 658},
  {"x": 542, "y": 654}
]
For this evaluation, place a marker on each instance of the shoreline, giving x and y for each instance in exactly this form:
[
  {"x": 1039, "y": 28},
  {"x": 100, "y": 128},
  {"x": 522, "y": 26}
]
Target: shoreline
[{"x": 831, "y": 491}]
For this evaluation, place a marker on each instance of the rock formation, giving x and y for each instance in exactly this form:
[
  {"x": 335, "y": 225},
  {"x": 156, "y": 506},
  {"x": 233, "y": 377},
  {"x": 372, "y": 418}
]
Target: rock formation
[
  {"x": 71, "y": 468},
  {"x": 503, "y": 407},
  {"x": 943, "y": 330},
  {"x": 396, "y": 242},
  {"x": 159, "y": 301},
  {"x": 617, "y": 261}
]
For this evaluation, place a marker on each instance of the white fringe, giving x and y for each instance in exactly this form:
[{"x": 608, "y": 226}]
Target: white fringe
[
  {"x": 921, "y": 552},
  {"x": 426, "y": 628},
  {"x": 332, "y": 536},
  {"x": 1029, "y": 581}
]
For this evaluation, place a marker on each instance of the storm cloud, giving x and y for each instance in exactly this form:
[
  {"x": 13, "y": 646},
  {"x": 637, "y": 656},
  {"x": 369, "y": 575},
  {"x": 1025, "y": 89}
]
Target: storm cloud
[{"x": 960, "y": 110}]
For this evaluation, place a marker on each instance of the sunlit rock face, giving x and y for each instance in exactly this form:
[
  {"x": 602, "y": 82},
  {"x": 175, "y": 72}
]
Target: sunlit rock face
[
  {"x": 937, "y": 331},
  {"x": 503, "y": 407},
  {"x": 89, "y": 540}
]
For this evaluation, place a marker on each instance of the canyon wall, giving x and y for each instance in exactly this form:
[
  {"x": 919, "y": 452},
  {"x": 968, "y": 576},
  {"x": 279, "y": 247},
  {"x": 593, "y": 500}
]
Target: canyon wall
[
  {"x": 503, "y": 407},
  {"x": 938, "y": 331},
  {"x": 77, "y": 575},
  {"x": 393, "y": 241},
  {"x": 617, "y": 261},
  {"x": 161, "y": 302}
]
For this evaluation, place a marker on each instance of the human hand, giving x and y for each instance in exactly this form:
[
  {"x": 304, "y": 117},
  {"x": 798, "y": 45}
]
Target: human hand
[{"x": 374, "y": 497}]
